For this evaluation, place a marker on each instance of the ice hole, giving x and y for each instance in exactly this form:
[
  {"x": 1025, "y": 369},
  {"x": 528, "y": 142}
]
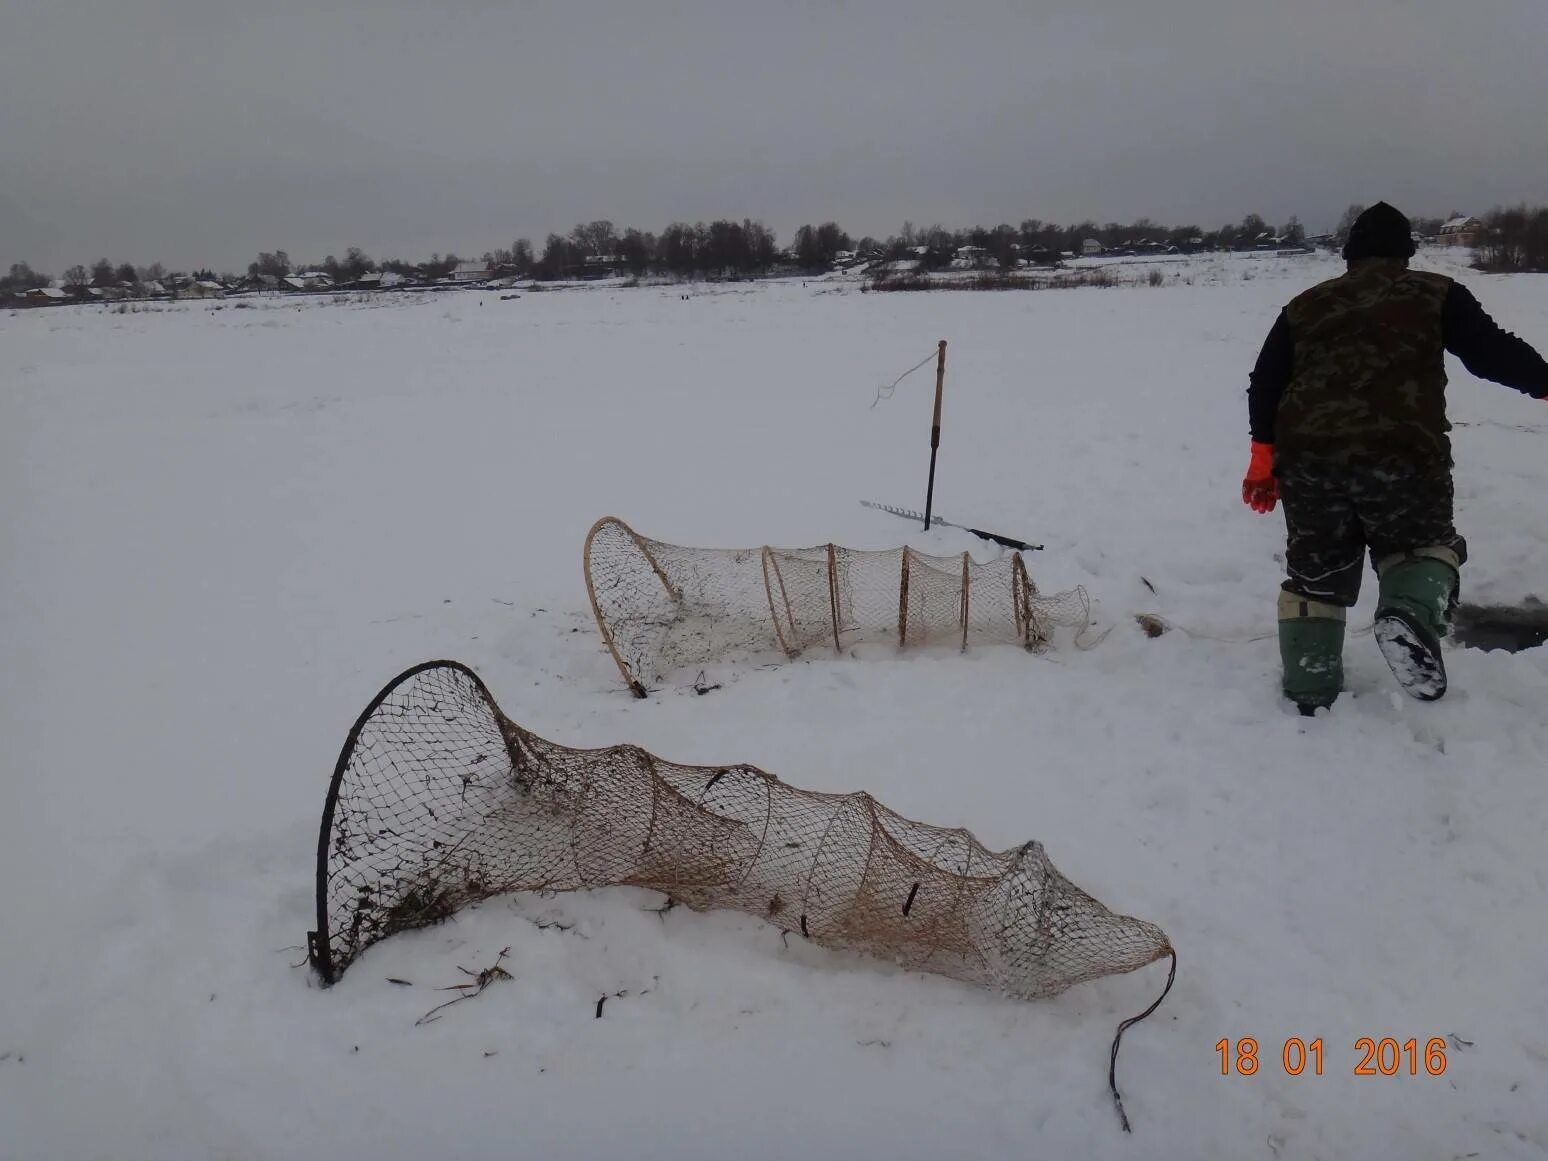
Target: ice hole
[{"x": 1508, "y": 627}]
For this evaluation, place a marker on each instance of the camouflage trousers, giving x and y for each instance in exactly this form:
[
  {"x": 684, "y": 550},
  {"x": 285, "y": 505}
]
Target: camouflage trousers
[{"x": 1335, "y": 513}]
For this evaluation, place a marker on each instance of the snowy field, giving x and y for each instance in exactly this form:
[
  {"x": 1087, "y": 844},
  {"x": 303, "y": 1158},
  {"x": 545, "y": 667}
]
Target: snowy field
[{"x": 225, "y": 529}]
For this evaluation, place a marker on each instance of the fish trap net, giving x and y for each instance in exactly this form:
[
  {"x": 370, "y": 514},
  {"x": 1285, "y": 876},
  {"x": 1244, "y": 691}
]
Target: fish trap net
[
  {"x": 439, "y": 800},
  {"x": 661, "y": 607}
]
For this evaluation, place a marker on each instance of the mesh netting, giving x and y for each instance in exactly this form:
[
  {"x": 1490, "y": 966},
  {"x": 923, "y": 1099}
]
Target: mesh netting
[
  {"x": 439, "y": 800},
  {"x": 661, "y": 607}
]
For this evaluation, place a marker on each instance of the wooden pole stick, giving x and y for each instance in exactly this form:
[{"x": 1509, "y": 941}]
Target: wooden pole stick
[{"x": 935, "y": 429}]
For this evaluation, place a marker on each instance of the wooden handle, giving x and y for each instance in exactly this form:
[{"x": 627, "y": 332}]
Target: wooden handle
[{"x": 940, "y": 383}]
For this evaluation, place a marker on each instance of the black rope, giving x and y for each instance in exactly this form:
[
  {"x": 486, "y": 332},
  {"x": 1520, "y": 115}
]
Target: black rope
[{"x": 1112, "y": 1062}]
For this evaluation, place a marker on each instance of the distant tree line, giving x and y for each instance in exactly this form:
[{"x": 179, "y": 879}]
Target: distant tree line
[
  {"x": 730, "y": 249},
  {"x": 356, "y": 264},
  {"x": 1515, "y": 239},
  {"x": 1038, "y": 241},
  {"x": 719, "y": 249},
  {"x": 100, "y": 273}
]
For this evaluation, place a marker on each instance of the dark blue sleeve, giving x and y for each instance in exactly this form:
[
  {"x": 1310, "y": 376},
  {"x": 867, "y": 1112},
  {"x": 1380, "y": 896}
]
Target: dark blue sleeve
[
  {"x": 1270, "y": 377},
  {"x": 1488, "y": 351}
]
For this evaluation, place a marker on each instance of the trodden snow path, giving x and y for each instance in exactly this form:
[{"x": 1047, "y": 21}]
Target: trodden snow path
[{"x": 226, "y": 526}]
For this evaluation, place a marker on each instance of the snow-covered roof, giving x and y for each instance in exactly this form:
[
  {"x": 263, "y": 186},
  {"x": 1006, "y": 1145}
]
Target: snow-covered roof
[
  {"x": 208, "y": 285},
  {"x": 1457, "y": 224}
]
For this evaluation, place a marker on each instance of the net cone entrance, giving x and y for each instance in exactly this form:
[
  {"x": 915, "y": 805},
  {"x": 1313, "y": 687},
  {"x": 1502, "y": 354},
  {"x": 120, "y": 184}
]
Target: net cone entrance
[
  {"x": 661, "y": 607},
  {"x": 439, "y": 800}
]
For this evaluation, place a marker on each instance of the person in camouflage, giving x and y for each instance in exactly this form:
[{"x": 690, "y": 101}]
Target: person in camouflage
[{"x": 1347, "y": 407}]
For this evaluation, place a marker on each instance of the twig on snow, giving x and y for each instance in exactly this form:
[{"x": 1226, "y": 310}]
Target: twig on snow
[
  {"x": 601, "y": 1000},
  {"x": 481, "y": 980}
]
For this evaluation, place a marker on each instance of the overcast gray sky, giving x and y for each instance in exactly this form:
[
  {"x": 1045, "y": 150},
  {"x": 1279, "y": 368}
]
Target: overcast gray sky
[{"x": 201, "y": 131}]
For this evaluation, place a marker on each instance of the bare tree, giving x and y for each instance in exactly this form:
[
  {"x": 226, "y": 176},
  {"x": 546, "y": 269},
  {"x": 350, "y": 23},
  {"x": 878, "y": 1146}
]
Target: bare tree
[
  {"x": 815, "y": 247},
  {"x": 275, "y": 265},
  {"x": 356, "y": 263},
  {"x": 559, "y": 255},
  {"x": 762, "y": 246},
  {"x": 1004, "y": 246},
  {"x": 595, "y": 238},
  {"x": 940, "y": 246},
  {"x": 635, "y": 248},
  {"x": 1346, "y": 223},
  {"x": 23, "y": 277},
  {"x": 676, "y": 249},
  {"x": 439, "y": 266},
  {"x": 1515, "y": 239}
]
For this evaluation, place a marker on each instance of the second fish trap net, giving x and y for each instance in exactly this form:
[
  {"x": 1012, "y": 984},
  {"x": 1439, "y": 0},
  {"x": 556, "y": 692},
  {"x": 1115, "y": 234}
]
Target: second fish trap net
[{"x": 661, "y": 607}]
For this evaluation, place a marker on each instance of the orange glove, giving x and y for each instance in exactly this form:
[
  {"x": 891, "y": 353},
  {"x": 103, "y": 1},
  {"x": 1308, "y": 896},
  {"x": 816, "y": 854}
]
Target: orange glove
[{"x": 1260, "y": 491}]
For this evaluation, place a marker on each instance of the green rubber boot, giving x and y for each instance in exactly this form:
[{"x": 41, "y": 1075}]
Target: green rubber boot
[
  {"x": 1311, "y": 648},
  {"x": 1413, "y": 614}
]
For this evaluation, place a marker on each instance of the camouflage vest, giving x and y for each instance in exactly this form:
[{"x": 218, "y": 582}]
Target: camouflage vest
[{"x": 1369, "y": 382}]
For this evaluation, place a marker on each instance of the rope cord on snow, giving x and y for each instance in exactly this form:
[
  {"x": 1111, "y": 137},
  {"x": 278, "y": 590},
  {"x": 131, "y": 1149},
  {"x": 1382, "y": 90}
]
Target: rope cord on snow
[
  {"x": 1086, "y": 640},
  {"x": 1112, "y": 1061},
  {"x": 887, "y": 391},
  {"x": 1234, "y": 639}
]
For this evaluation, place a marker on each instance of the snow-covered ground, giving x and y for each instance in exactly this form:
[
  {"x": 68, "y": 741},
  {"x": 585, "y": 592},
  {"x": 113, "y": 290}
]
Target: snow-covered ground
[{"x": 225, "y": 528}]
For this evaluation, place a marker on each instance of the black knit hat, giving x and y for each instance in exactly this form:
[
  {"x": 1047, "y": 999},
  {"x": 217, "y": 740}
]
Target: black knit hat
[{"x": 1380, "y": 232}]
